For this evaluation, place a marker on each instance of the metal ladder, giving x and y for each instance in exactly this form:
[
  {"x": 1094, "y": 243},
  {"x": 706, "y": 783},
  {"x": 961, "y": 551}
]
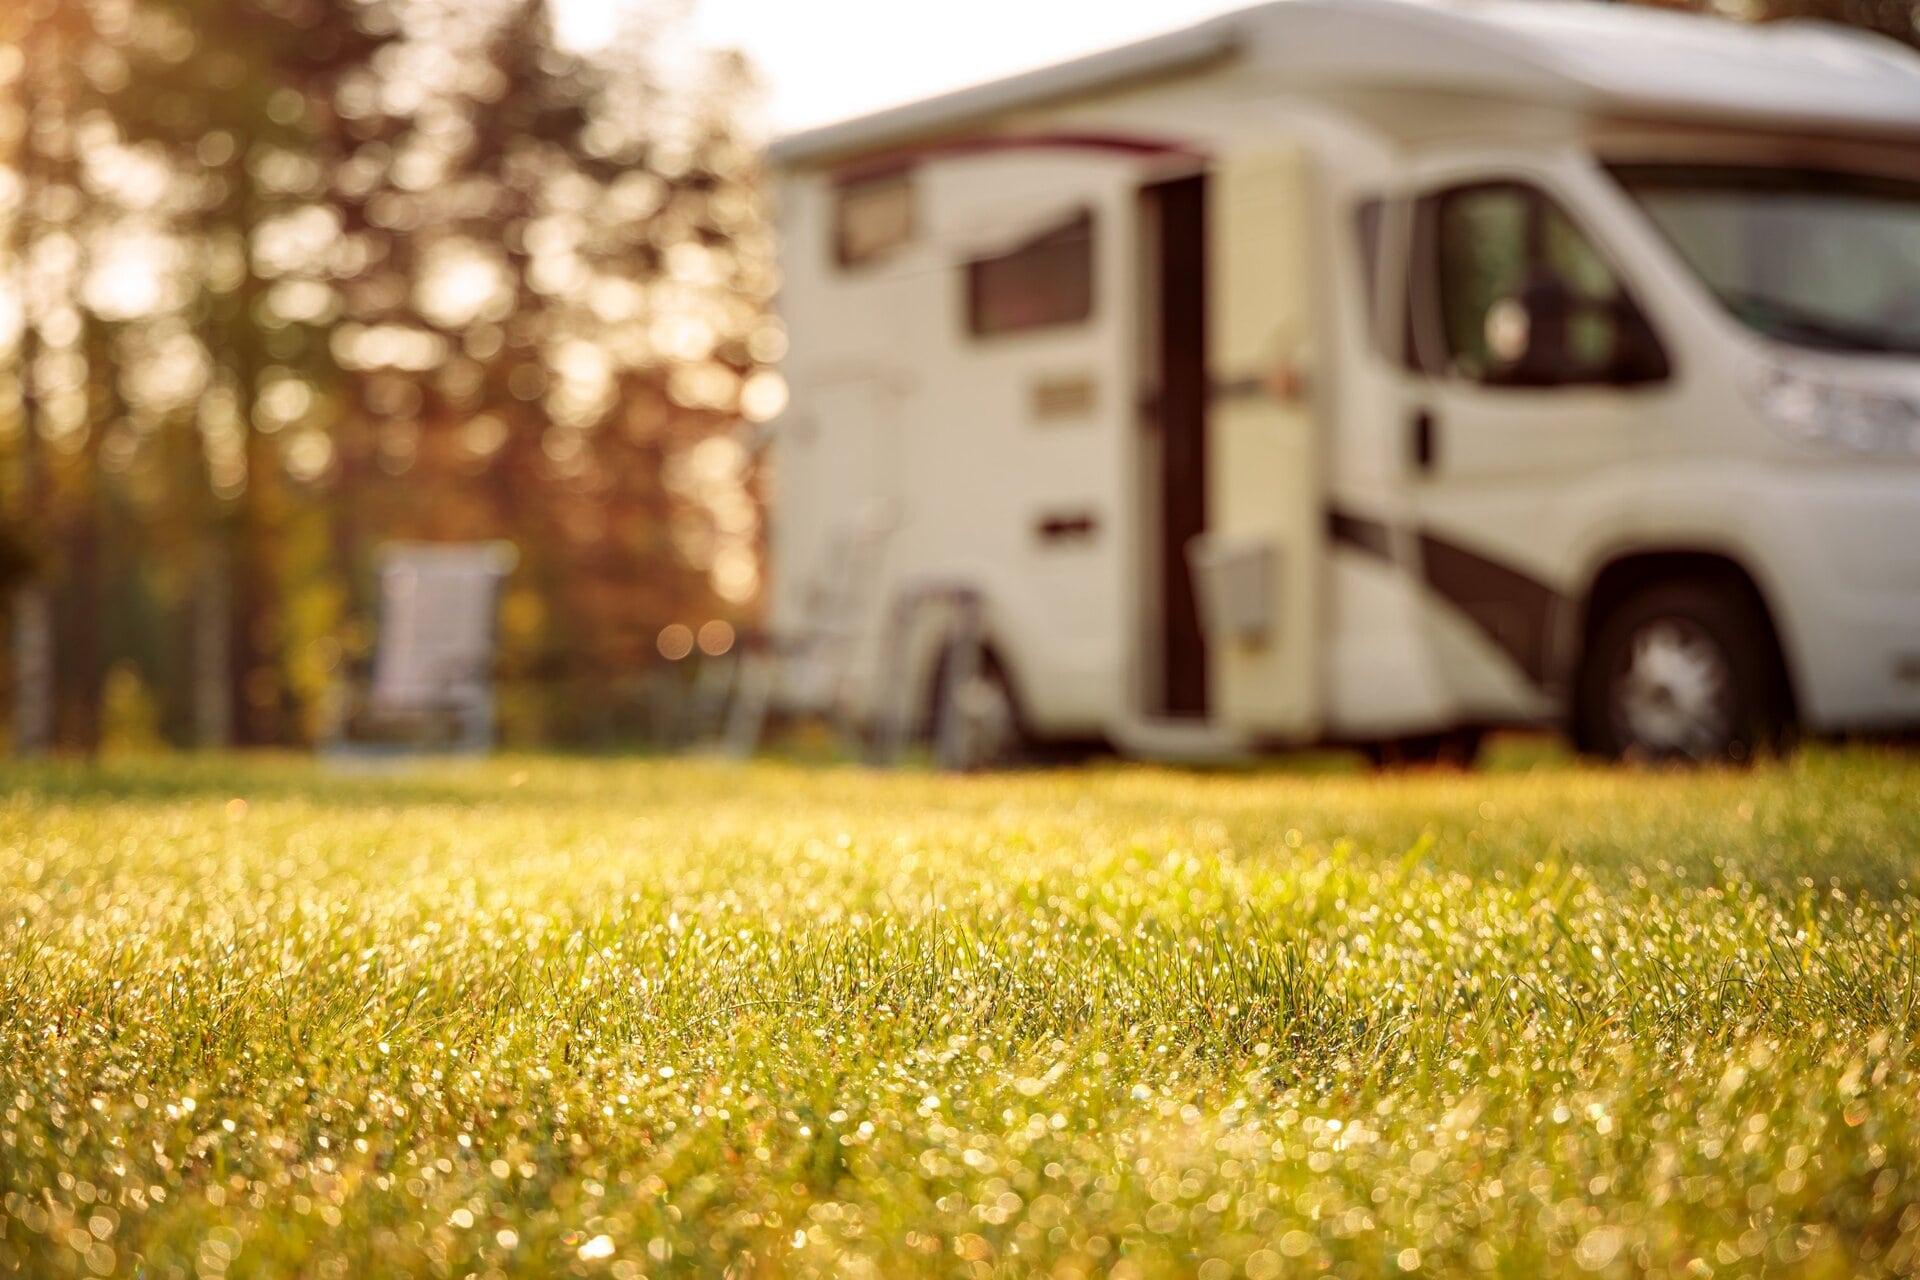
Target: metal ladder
[
  {"x": 828, "y": 639},
  {"x": 963, "y": 644}
]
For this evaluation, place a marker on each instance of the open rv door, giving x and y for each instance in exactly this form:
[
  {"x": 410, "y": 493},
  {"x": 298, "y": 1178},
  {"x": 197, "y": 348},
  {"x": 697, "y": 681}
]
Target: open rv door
[{"x": 1258, "y": 567}]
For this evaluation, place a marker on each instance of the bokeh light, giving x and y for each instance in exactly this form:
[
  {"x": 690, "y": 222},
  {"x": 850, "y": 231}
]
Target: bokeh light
[
  {"x": 675, "y": 641},
  {"x": 716, "y": 637}
]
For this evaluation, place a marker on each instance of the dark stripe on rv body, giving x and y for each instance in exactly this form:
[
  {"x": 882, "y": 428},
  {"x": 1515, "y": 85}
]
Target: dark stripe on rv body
[
  {"x": 1513, "y": 609},
  {"x": 1362, "y": 533},
  {"x": 1126, "y": 144},
  {"x": 1509, "y": 606}
]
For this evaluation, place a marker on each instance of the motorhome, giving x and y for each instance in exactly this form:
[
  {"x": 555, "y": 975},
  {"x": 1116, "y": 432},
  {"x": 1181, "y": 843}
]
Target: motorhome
[{"x": 1364, "y": 371}]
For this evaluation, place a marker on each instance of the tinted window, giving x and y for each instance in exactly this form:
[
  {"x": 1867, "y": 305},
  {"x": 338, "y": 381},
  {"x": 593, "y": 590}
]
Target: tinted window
[
  {"x": 1369, "y": 221},
  {"x": 1818, "y": 258},
  {"x": 1045, "y": 282},
  {"x": 1519, "y": 295},
  {"x": 1482, "y": 260}
]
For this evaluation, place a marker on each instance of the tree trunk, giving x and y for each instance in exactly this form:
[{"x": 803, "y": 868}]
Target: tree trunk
[
  {"x": 32, "y": 670},
  {"x": 211, "y": 660},
  {"x": 78, "y": 688},
  {"x": 252, "y": 529}
]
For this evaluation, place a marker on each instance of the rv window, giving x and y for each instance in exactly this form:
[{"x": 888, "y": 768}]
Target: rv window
[
  {"x": 871, "y": 218},
  {"x": 1390, "y": 318},
  {"x": 1482, "y": 263},
  {"x": 1517, "y": 295},
  {"x": 1045, "y": 282},
  {"x": 1369, "y": 221}
]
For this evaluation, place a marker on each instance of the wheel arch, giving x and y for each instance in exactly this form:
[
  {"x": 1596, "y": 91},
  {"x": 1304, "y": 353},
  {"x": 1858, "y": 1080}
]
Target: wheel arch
[
  {"x": 993, "y": 656},
  {"x": 1620, "y": 575}
]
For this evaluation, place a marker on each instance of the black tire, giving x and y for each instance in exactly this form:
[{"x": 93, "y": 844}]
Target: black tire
[
  {"x": 1686, "y": 671},
  {"x": 1001, "y": 746}
]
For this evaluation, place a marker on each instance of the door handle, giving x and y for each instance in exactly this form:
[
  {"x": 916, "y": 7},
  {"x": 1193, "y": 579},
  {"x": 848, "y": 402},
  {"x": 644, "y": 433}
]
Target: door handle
[
  {"x": 1068, "y": 526},
  {"x": 1426, "y": 440}
]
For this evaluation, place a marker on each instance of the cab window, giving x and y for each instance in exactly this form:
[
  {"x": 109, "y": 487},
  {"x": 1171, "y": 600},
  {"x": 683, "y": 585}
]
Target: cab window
[{"x": 1507, "y": 290}]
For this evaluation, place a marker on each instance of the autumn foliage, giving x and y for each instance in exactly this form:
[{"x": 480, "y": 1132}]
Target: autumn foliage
[{"x": 287, "y": 279}]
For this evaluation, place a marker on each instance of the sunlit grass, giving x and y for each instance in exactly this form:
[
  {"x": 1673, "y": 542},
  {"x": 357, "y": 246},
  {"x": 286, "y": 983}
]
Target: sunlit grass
[{"x": 640, "y": 1018}]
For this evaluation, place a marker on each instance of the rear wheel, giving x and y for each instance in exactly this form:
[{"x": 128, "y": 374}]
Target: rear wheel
[
  {"x": 976, "y": 719},
  {"x": 1683, "y": 671}
]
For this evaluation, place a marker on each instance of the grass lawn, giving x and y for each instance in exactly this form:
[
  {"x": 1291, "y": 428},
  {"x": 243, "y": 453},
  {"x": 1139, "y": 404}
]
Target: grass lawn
[{"x": 636, "y": 1018}]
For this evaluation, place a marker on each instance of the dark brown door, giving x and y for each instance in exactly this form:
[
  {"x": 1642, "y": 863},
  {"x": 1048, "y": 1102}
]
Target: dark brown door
[{"x": 1176, "y": 216}]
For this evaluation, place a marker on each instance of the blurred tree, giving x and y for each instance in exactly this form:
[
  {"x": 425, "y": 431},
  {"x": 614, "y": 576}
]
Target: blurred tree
[
  {"x": 27, "y": 611},
  {"x": 294, "y": 277},
  {"x": 239, "y": 97},
  {"x": 589, "y": 270},
  {"x": 53, "y": 386}
]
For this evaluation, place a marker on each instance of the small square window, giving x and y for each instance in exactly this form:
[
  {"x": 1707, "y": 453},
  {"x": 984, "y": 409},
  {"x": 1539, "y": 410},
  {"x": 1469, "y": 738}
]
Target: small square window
[{"x": 872, "y": 217}]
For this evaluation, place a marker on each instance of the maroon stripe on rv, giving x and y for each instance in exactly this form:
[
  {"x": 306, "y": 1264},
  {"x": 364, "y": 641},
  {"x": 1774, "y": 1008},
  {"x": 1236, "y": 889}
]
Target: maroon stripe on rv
[
  {"x": 1129, "y": 144},
  {"x": 1514, "y": 610}
]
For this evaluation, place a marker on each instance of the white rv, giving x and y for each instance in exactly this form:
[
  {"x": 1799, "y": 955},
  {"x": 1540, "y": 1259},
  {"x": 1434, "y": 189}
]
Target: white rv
[{"x": 1365, "y": 371}]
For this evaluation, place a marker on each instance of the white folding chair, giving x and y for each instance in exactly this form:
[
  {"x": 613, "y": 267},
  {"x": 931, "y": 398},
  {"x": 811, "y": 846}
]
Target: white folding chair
[{"x": 434, "y": 653}]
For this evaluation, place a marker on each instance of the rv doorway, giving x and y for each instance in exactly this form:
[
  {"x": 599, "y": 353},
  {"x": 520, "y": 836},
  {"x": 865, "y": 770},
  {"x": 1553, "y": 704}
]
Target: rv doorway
[{"x": 1174, "y": 218}]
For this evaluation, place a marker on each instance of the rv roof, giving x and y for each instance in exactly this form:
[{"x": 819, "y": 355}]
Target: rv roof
[{"x": 1610, "y": 58}]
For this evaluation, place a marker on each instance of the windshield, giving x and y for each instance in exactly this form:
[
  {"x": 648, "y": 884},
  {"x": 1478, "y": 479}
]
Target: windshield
[{"x": 1821, "y": 259}]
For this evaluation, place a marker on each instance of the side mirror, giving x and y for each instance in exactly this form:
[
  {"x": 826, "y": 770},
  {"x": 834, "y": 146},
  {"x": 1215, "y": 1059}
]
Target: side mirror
[
  {"x": 1528, "y": 335},
  {"x": 1548, "y": 335},
  {"x": 1509, "y": 331}
]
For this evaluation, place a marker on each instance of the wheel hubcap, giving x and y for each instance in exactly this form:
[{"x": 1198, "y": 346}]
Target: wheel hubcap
[
  {"x": 979, "y": 730},
  {"x": 1674, "y": 694}
]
